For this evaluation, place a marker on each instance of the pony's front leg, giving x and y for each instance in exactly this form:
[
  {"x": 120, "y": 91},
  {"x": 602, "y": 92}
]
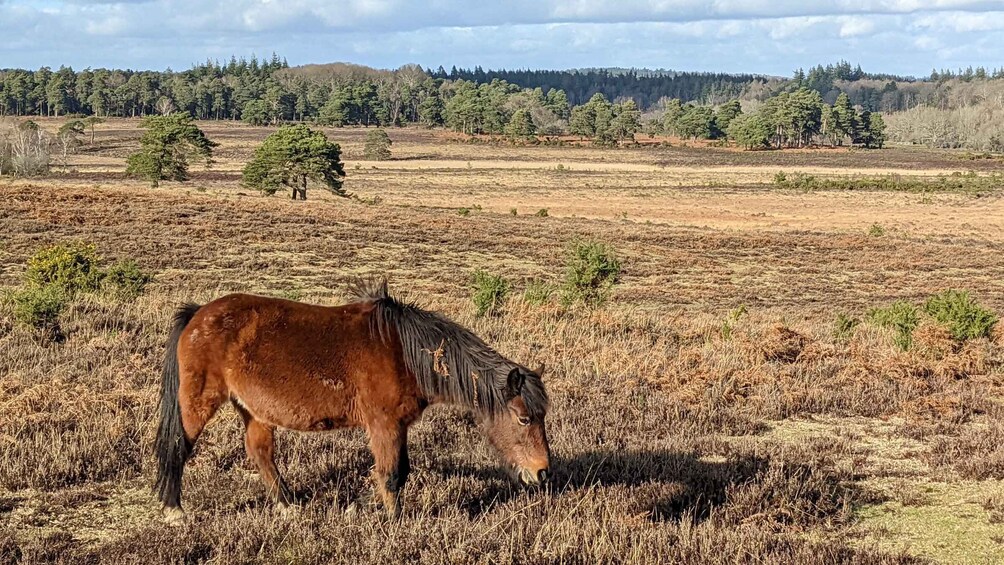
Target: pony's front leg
[{"x": 390, "y": 470}]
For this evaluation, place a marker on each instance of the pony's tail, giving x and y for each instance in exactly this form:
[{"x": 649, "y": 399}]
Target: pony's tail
[{"x": 172, "y": 447}]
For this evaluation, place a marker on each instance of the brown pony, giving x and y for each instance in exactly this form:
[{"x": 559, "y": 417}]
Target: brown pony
[{"x": 375, "y": 363}]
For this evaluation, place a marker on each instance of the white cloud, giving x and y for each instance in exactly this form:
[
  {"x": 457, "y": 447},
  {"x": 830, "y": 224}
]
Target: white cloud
[
  {"x": 962, "y": 22},
  {"x": 770, "y": 36}
]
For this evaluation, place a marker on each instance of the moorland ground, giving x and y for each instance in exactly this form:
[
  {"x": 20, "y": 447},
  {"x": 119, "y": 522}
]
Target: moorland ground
[{"x": 707, "y": 413}]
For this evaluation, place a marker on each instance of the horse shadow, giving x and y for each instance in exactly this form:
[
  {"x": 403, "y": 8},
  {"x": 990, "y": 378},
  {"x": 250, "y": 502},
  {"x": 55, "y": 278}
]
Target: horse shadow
[{"x": 669, "y": 485}]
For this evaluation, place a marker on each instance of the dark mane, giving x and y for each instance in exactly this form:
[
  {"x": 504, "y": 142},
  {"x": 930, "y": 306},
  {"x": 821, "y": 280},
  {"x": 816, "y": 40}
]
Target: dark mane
[{"x": 447, "y": 359}]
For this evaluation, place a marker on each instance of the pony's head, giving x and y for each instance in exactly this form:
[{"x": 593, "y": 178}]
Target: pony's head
[{"x": 518, "y": 433}]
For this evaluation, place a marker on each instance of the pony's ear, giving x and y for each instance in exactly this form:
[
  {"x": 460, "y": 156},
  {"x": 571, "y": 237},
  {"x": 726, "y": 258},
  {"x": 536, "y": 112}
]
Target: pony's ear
[
  {"x": 514, "y": 383},
  {"x": 540, "y": 370}
]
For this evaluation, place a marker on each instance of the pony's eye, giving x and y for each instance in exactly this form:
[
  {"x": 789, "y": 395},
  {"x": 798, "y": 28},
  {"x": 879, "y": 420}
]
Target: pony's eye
[{"x": 524, "y": 421}]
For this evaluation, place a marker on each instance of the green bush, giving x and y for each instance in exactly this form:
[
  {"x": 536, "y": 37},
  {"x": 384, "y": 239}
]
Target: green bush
[
  {"x": 71, "y": 267},
  {"x": 542, "y": 213},
  {"x": 876, "y": 231},
  {"x": 377, "y": 146},
  {"x": 901, "y": 317},
  {"x": 125, "y": 279},
  {"x": 39, "y": 306},
  {"x": 843, "y": 329},
  {"x": 489, "y": 292},
  {"x": 591, "y": 272},
  {"x": 537, "y": 292},
  {"x": 961, "y": 314}
]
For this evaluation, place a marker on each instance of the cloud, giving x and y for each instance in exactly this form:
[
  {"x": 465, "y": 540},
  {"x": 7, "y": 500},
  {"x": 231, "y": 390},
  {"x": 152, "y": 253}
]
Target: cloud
[{"x": 767, "y": 36}]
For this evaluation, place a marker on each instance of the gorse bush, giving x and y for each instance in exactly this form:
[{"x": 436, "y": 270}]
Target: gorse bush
[
  {"x": 488, "y": 292},
  {"x": 955, "y": 310},
  {"x": 591, "y": 272},
  {"x": 57, "y": 273},
  {"x": 964, "y": 318},
  {"x": 39, "y": 306},
  {"x": 125, "y": 279},
  {"x": 901, "y": 317},
  {"x": 71, "y": 267}
]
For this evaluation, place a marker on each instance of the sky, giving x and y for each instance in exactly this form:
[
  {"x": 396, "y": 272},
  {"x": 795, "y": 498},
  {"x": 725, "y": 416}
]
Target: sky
[{"x": 908, "y": 37}]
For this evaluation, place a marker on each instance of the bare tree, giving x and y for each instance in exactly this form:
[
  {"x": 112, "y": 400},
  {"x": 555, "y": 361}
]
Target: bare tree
[
  {"x": 25, "y": 150},
  {"x": 164, "y": 106}
]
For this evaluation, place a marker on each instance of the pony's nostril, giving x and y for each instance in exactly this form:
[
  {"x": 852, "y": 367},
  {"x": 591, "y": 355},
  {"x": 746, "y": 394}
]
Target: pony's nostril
[{"x": 542, "y": 475}]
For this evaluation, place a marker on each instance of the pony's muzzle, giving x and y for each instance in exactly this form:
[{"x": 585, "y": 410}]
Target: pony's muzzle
[{"x": 530, "y": 478}]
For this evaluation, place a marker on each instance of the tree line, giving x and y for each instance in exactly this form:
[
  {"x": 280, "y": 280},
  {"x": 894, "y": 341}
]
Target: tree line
[
  {"x": 269, "y": 91},
  {"x": 645, "y": 88},
  {"x": 790, "y": 119}
]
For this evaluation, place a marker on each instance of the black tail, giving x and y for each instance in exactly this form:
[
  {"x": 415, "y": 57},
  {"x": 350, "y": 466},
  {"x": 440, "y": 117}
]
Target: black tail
[{"x": 172, "y": 447}]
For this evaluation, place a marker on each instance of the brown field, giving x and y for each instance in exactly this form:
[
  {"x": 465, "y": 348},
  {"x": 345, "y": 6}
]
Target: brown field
[{"x": 680, "y": 433}]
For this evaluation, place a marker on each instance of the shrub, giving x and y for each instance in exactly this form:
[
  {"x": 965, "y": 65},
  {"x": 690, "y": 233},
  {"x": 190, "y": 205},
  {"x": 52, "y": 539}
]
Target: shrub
[
  {"x": 843, "y": 329},
  {"x": 39, "y": 306},
  {"x": 542, "y": 213},
  {"x": 464, "y": 212},
  {"x": 901, "y": 317},
  {"x": 71, "y": 267},
  {"x": 537, "y": 292},
  {"x": 592, "y": 270},
  {"x": 489, "y": 292},
  {"x": 876, "y": 231},
  {"x": 377, "y": 146},
  {"x": 961, "y": 314},
  {"x": 796, "y": 181},
  {"x": 125, "y": 279}
]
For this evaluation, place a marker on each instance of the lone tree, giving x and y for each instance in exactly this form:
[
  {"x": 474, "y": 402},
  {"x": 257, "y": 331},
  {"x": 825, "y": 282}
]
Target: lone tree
[
  {"x": 166, "y": 146},
  {"x": 290, "y": 157},
  {"x": 68, "y": 138},
  {"x": 377, "y": 145},
  {"x": 91, "y": 121}
]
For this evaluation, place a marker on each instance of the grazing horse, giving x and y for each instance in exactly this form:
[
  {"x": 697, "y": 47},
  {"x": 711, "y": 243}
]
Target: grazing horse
[{"x": 374, "y": 363}]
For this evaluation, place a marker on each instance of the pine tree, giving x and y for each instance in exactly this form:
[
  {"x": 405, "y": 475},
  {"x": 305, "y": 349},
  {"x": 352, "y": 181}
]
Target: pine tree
[
  {"x": 291, "y": 157},
  {"x": 520, "y": 125},
  {"x": 165, "y": 148}
]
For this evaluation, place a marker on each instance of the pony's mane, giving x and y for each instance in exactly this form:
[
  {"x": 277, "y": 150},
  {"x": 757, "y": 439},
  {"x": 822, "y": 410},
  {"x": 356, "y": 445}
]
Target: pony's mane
[{"x": 446, "y": 358}]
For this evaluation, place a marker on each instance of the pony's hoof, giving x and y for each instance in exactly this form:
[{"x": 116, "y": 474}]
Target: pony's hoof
[{"x": 174, "y": 516}]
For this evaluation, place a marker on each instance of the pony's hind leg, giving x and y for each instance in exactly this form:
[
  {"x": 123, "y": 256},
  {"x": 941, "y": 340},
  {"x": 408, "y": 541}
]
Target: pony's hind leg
[
  {"x": 391, "y": 466},
  {"x": 186, "y": 407},
  {"x": 259, "y": 441}
]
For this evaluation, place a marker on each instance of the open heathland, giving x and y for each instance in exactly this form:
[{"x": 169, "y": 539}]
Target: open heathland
[{"x": 742, "y": 393}]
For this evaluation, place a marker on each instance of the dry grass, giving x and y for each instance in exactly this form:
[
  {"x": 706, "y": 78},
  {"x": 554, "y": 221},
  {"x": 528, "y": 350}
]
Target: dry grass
[{"x": 675, "y": 439}]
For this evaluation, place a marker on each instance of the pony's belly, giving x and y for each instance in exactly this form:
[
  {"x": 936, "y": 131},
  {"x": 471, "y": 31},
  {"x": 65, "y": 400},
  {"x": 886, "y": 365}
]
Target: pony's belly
[{"x": 305, "y": 410}]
